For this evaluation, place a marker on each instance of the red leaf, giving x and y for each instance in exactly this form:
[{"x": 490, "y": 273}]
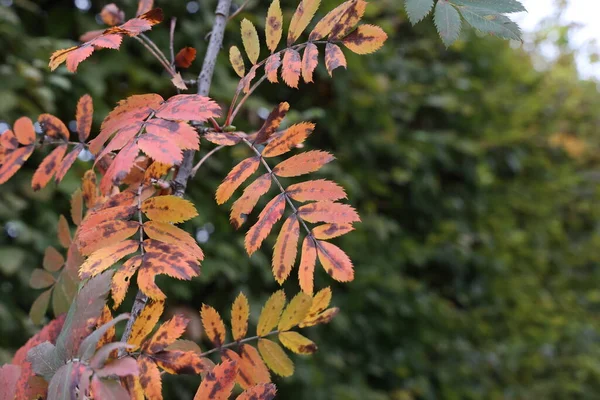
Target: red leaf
[
  {"x": 185, "y": 57},
  {"x": 272, "y": 66},
  {"x": 189, "y": 107},
  {"x": 327, "y": 211},
  {"x": 119, "y": 168},
  {"x": 160, "y": 149},
  {"x": 316, "y": 190}
]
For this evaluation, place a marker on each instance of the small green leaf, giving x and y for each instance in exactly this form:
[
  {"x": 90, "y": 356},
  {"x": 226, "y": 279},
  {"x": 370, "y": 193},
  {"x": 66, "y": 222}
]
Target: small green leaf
[
  {"x": 495, "y": 6},
  {"x": 418, "y": 9},
  {"x": 40, "y": 306},
  {"x": 41, "y": 279},
  {"x": 447, "y": 21},
  {"x": 44, "y": 360},
  {"x": 495, "y": 24}
]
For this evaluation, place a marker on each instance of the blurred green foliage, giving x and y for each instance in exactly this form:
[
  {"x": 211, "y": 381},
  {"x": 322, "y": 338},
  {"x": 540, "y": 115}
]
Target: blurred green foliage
[{"x": 473, "y": 169}]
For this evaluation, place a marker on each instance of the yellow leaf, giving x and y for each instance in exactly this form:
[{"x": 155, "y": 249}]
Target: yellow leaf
[
  {"x": 240, "y": 310},
  {"x": 145, "y": 322},
  {"x": 106, "y": 257},
  {"x": 301, "y": 18},
  {"x": 325, "y": 25},
  {"x": 295, "y": 312},
  {"x": 274, "y": 25},
  {"x": 365, "y": 39},
  {"x": 250, "y": 40},
  {"x": 275, "y": 357},
  {"x": 297, "y": 343},
  {"x": 269, "y": 316},
  {"x": 237, "y": 62},
  {"x": 320, "y": 302},
  {"x": 169, "y": 209},
  {"x": 213, "y": 325}
]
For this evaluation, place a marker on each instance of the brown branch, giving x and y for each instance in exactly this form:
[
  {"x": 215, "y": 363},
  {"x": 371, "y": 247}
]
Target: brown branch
[{"x": 185, "y": 170}]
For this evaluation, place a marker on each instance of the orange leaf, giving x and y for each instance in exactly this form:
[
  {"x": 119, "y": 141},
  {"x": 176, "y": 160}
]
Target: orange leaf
[
  {"x": 24, "y": 131},
  {"x": 236, "y": 60},
  {"x": 295, "y": 312},
  {"x": 245, "y": 376},
  {"x": 304, "y": 163},
  {"x": 325, "y": 25},
  {"x": 259, "y": 392},
  {"x": 223, "y": 138},
  {"x": 306, "y": 270},
  {"x": 109, "y": 335},
  {"x": 97, "y": 217},
  {"x": 156, "y": 170},
  {"x": 67, "y": 162},
  {"x": 111, "y": 15},
  {"x": 335, "y": 261},
  {"x": 310, "y": 60},
  {"x": 272, "y": 123},
  {"x": 274, "y": 25},
  {"x": 327, "y": 211},
  {"x": 105, "y": 234},
  {"x": 122, "y": 137},
  {"x": 150, "y": 379},
  {"x": 181, "y": 362},
  {"x": 122, "y": 278},
  {"x": 189, "y": 107},
  {"x": 272, "y": 65},
  {"x": 185, "y": 57},
  {"x": 348, "y": 20},
  {"x": 301, "y": 18},
  {"x": 145, "y": 322},
  {"x": 240, "y": 311},
  {"x": 160, "y": 149},
  {"x": 243, "y": 206},
  {"x": 13, "y": 161},
  {"x": 53, "y": 127},
  {"x": 286, "y": 248},
  {"x": 288, "y": 139},
  {"x": 166, "y": 334},
  {"x": 316, "y": 190},
  {"x": 88, "y": 187},
  {"x": 267, "y": 218},
  {"x": 48, "y": 168},
  {"x": 8, "y": 140},
  {"x": 292, "y": 66},
  {"x": 169, "y": 209},
  {"x": 144, "y": 6},
  {"x": 235, "y": 178},
  {"x": 180, "y": 132},
  {"x": 253, "y": 365},
  {"x": 77, "y": 207},
  {"x": 106, "y": 257},
  {"x": 218, "y": 384},
  {"x": 334, "y": 58},
  {"x": 213, "y": 325},
  {"x": 168, "y": 233},
  {"x": 365, "y": 39},
  {"x": 330, "y": 231},
  {"x": 64, "y": 234},
  {"x": 120, "y": 167}
]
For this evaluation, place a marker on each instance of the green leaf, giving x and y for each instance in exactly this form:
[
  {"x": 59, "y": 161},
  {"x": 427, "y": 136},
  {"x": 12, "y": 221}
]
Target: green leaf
[
  {"x": 418, "y": 9},
  {"x": 41, "y": 279},
  {"x": 447, "y": 21},
  {"x": 495, "y": 6},
  {"x": 495, "y": 24},
  {"x": 44, "y": 360},
  {"x": 40, "y": 306}
]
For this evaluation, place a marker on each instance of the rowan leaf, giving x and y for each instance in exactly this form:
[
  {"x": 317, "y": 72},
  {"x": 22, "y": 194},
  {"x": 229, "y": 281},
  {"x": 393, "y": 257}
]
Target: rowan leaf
[
  {"x": 64, "y": 233},
  {"x": 263, "y": 391},
  {"x": 310, "y": 60},
  {"x": 122, "y": 279},
  {"x": 92, "y": 342},
  {"x": 119, "y": 168},
  {"x": 236, "y": 60},
  {"x": 145, "y": 322},
  {"x": 53, "y": 260},
  {"x": 213, "y": 325},
  {"x": 304, "y": 13},
  {"x": 326, "y": 24},
  {"x": 288, "y": 139},
  {"x": 286, "y": 248},
  {"x": 23, "y": 130},
  {"x": 487, "y": 21},
  {"x": 295, "y": 312},
  {"x": 189, "y": 107},
  {"x": 105, "y": 234},
  {"x": 144, "y": 6},
  {"x": 168, "y": 233},
  {"x": 348, "y": 20},
  {"x": 330, "y": 231},
  {"x": 13, "y": 161},
  {"x": 40, "y": 306},
  {"x": 323, "y": 318},
  {"x": 447, "y": 21},
  {"x": 245, "y": 376},
  {"x": 269, "y": 316},
  {"x": 365, "y": 39},
  {"x": 316, "y": 190},
  {"x": 41, "y": 279},
  {"x": 272, "y": 66},
  {"x": 274, "y": 25},
  {"x": 247, "y": 80},
  {"x": 156, "y": 170},
  {"x": 304, "y": 163},
  {"x": 169, "y": 209},
  {"x": 185, "y": 57},
  {"x": 267, "y": 218},
  {"x": 111, "y": 15},
  {"x": 181, "y": 362},
  {"x": 417, "y": 9},
  {"x": 292, "y": 67},
  {"x": 335, "y": 262},
  {"x": 67, "y": 162},
  {"x": 110, "y": 333},
  {"x": 223, "y": 138},
  {"x": 327, "y": 211},
  {"x": 106, "y": 257},
  {"x": 253, "y": 365},
  {"x": 9, "y": 377},
  {"x": 182, "y": 134},
  {"x": 240, "y": 312},
  {"x": 160, "y": 149},
  {"x": 218, "y": 384},
  {"x": 275, "y": 357},
  {"x": 334, "y": 58},
  {"x": 504, "y": 6},
  {"x": 97, "y": 217},
  {"x": 48, "y": 168},
  {"x": 53, "y": 127},
  {"x": 166, "y": 334},
  {"x": 235, "y": 178},
  {"x": 297, "y": 343},
  {"x": 77, "y": 207},
  {"x": 250, "y": 40},
  {"x": 150, "y": 379},
  {"x": 308, "y": 260},
  {"x": 243, "y": 206},
  {"x": 88, "y": 188},
  {"x": 320, "y": 302},
  {"x": 272, "y": 123}
]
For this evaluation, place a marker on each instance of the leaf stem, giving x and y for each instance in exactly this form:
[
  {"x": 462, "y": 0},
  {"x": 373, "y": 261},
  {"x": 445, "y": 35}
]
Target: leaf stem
[
  {"x": 237, "y": 342},
  {"x": 206, "y": 157}
]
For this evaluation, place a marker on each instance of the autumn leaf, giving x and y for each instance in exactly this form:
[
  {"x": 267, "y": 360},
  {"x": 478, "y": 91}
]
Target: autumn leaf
[
  {"x": 301, "y": 18},
  {"x": 269, "y": 316},
  {"x": 308, "y": 260},
  {"x": 218, "y": 384},
  {"x": 327, "y": 211},
  {"x": 272, "y": 123},
  {"x": 185, "y": 57},
  {"x": 348, "y": 19},
  {"x": 330, "y": 231},
  {"x": 288, "y": 139},
  {"x": 156, "y": 170},
  {"x": 274, "y": 25},
  {"x": 168, "y": 233},
  {"x": 144, "y": 6},
  {"x": 325, "y": 25},
  {"x": 250, "y": 40},
  {"x": 64, "y": 233},
  {"x": 88, "y": 188},
  {"x": 166, "y": 334},
  {"x": 213, "y": 325},
  {"x": 297, "y": 343},
  {"x": 292, "y": 66},
  {"x": 275, "y": 357},
  {"x": 236, "y": 60},
  {"x": 334, "y": 58},
  {"x": 184, "y": 136},
  {"x": 316, "y": 190},
  {"x": 304, "y": 163},
  {"x": 145, "y": 322},
  {"x": 243, "y": 206},
  {"x": 240, "y": 312},
  {"x": 111, "y": 15},
  {"x": 48, "y": 168},
  {"x": 13, "y": 161},
  {"x": 253, "y": 365},
  {"x": 265, "y": 391},
  {"x": 235, "y": 178},
  {"x": 150, "y": 379},
  {"x": 335, "y": 262},
  {"x": 23, "y": 130},
  {"x": 286, "y": 248},
  {"x": 105, "y": 234},
  {"x": 160, "y": 149},
  {"x": 267, "y": 218},
  {"x": 295, "y": 312},
  {"x": 310, "y": 60},
  {"x": 272, "y": 66},
  {"x": 365, "y": 39},
  {"x": 247, "y": 80},
  {"x": 223, "y": 138},
  {"x": 53, "y": 127},
  {"x": 168, "y": 209},
  {"x": 189, "y": 107},
  {"x": 122, "y": 278},
  {"x": 119, "y": 168},
  {"x": 106, "y": 257},
  {"x": 67, "y": 162}
]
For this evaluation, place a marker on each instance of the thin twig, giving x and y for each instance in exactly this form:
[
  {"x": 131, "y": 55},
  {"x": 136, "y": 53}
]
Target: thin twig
[
  {"x": 206, "y": 157},
  {"x": 156, "y": 55},
  {"x": 171, "y": 40},
  {"x": 239, "y": 10}
]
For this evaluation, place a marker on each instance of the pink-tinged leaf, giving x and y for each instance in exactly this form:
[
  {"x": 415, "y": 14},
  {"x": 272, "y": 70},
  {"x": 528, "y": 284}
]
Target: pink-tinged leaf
[
  {"x": 119, "y": 168},
  {"x": 334, "y": 58},
  {"x": 9, "y": 376},
  {"x": 335, "y": 261},
  {"x": 317, "y": 190},
  {"x": 67, "y": 162},
  {"x": 267, "y": 218},
  {"x": 184, "y": 136},
  {"x": 310, "y": 60},
  {"x": 13, "y": 161},
  {"x": 235, "y": 178},
  {"x": 272, "y": 66},
  {"x": 189, "y": 107},
  {"x": 286, "y": 248},
  {"x": 160, "y": 149},
  {"x": 330, "y": 231},
  {"x": 304, "y": 163},
  {"x": 48, "y": 168},
  {"x": 247, "y": 201},
  {"x": 292, "y": 66},
  {"x": 306, "y": 271},
  {"x": 223, "y": 138},
  {"x": 328, "y": 211}
]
